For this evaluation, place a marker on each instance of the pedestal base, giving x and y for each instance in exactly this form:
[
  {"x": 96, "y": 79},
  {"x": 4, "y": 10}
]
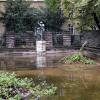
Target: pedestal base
[{"x": 40, "y": 46}]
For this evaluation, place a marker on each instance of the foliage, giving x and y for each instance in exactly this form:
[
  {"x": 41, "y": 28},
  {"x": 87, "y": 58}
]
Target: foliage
[
  {"x": 85, "y": 11},
  {"x": 18, "y": 16},
  {"x": 53, "y": 5},
  {"x": 12, "y": 88},
  {"x": 53, "y": 16},
  {"x": 77, "y": 58}
]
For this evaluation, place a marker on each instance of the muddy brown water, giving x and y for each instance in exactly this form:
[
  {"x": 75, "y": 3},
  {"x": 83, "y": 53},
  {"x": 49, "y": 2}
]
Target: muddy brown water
[{"x": 74, "y": 82}]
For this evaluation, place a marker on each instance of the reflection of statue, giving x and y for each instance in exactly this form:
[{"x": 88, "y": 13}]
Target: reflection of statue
[{"x": 39, "y": 31}]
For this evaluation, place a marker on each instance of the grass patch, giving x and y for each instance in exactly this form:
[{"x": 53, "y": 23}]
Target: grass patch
[{"x": 77, "y": 58}]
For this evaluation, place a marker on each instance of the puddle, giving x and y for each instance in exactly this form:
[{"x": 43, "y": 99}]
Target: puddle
[{"x": 74, "y": 82}]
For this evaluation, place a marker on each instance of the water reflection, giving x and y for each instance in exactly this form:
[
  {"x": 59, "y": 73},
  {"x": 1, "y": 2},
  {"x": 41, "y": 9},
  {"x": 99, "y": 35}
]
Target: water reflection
[
  {"x": 13, "y": 63},
  {"x": 73, "y": 82},
  {"x": 75, "y": 89},
  {"x": 29, "y": 63},
  {"x": 41, "y": 60}
]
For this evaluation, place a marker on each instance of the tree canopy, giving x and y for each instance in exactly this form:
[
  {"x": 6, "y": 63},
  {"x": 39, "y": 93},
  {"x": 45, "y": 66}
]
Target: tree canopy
[
  {"x": 18, "y": 16},
  {"x": 53, "y": 15},
  {"x": 87, "y": 11}
]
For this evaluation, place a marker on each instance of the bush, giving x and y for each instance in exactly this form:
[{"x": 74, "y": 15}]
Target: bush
[
  {"x": 77, "y": 58},
  {"x": 19, "y": 16},
  {"x": 13, "y": 88}
]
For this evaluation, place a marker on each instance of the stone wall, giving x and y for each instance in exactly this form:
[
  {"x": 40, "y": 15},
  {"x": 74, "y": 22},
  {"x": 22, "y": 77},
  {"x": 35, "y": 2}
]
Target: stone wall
[
  {"x": 20, "y": 40},
  {"x": 66, "y": 40},
  {"x": 49, "y": 40},
  {"x": 10, "y": 41},
  {"x": 29, "y": 40}
]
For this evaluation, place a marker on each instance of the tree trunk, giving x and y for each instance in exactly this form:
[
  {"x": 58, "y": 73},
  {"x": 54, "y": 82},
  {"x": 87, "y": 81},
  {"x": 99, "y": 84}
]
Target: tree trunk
[{"x": 96, "y": 20}]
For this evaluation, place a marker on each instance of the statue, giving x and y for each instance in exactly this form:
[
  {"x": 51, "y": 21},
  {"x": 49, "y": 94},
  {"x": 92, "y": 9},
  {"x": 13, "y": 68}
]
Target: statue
[{"x": 39, "y": 31}]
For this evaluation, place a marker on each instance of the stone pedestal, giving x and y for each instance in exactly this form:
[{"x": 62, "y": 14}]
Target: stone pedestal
[
  {"x": 40, "y": 46},
  {"x": 66, "y": 40},
  {"x": 41, "y": 50}
]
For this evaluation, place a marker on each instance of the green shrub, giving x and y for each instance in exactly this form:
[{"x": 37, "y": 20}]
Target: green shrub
[
  {"x": 12, "y": 87},
  {"x": 77, "y": 58}
]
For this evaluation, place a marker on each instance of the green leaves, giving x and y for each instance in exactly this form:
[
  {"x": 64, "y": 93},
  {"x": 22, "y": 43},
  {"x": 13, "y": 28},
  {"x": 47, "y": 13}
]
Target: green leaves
[
  {"x": 53, "y": 15},
  {"x": 77, "y": 58},
  {"x": 12, "y": 87},
  {"x": 53, "y": 5},
  {"x": 82, "y": 10},
  {"x": 19, "y": 17}
]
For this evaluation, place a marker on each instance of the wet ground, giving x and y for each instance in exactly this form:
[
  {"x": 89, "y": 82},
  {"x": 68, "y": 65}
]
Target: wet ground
[{"x": 74, "y": 82}]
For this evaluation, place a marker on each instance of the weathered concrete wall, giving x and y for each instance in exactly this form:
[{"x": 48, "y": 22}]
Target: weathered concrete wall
[
  {"x": 93, "y": 38},
  {"x": 38, "y": 4},
  {"x": 2, "y": 9}
]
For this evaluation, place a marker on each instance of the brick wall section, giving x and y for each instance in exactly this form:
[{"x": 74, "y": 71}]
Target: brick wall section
[
  {"x": 66, "y": 40},
  {"x": 49, "y": 41},
  {"x": 10, "y": 41}
]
